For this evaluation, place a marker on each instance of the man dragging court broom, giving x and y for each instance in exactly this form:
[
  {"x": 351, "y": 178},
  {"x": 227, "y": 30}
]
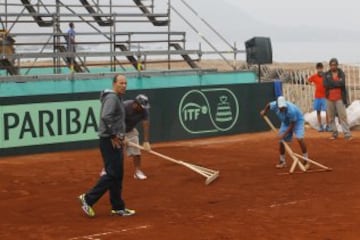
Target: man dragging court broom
[{"x": 292, "y": 121}]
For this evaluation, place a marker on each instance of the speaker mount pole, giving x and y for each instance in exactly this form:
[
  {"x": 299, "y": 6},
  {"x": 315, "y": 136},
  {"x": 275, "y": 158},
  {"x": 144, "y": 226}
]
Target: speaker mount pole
[{"x": 259, "y": 72}]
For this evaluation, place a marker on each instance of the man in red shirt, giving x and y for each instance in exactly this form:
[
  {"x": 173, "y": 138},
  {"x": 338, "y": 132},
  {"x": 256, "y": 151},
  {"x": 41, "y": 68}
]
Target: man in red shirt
[
  {"x": 320, "y": 100},
  {"x": 334, "y": 83}
]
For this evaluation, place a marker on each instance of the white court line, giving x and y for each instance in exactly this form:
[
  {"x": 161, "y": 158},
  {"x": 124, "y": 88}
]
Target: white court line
[
  {"x": 97, "y": 236},
  {"x": 283, "y": 204},
  {"x": 288, "y": 203},
  {"x": 276, "y": 205}
]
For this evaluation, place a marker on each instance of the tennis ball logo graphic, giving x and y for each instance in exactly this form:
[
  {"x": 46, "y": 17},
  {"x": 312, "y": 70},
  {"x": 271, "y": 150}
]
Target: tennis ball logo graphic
[{"x": 204, "y": 110}]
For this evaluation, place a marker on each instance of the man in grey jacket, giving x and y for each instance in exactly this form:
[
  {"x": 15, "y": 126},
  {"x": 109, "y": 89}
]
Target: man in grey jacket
[
  {"x": 111, "y": 133},
  {"x": 335, "y": 91}
]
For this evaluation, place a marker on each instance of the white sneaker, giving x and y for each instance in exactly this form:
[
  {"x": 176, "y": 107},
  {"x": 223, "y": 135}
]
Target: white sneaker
[
  {"x": 139, "y": 175},
  {"x": 307, "y": 165},
  {"x": 281, "y": 165},
  {"x": 125, "y": 212}
]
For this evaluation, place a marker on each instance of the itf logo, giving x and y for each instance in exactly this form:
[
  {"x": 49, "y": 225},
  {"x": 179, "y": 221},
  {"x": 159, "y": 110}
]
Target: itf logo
[{"x": 208, "y": 110}]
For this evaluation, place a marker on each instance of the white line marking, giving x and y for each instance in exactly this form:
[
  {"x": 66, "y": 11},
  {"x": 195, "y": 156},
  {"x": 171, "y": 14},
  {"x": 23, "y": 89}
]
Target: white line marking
[
  {"x": 283, "y": 204},
  {"x": 288, "y": 203},
  {"x": 97, "y": 236},
  {"x": 275, "y": 205}
]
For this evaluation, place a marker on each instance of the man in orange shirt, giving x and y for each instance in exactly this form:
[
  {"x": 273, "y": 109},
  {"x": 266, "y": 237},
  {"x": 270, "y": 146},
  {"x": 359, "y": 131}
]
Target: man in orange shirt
[
  {"x": 320, "y": 100},
  {"x": 334, "y": 83}
]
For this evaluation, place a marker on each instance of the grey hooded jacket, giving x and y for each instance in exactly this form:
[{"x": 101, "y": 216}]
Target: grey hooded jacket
[{"x": 112, "y": 115}]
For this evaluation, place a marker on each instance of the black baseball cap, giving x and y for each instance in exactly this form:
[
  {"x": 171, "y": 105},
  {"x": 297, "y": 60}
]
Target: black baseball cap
[{"x": 143, "y": 101}]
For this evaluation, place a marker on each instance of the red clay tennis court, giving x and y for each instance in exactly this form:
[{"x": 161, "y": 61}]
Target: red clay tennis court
[{"x": 250, "y": 200}]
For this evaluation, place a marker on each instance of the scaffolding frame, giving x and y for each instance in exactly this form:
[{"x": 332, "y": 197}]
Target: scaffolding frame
[{"x": 129, "y": 45}]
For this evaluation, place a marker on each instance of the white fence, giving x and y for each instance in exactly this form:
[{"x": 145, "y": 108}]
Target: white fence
[{"x": 297, "y": 90}]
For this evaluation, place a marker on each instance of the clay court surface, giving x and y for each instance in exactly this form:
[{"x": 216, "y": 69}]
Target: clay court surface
[{"x": 250, "y": 200}]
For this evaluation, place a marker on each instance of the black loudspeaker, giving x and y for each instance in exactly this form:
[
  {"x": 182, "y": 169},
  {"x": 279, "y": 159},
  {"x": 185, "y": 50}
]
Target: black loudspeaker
[{"x": 258, "y": 50}]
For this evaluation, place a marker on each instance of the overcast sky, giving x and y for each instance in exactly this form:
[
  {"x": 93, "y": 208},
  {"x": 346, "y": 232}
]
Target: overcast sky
[
  {"x": 306, "y": 30},
  {"x": 343, "y": 13}
]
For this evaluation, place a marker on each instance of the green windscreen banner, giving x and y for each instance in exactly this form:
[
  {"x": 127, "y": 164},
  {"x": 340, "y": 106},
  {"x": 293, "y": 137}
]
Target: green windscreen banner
[
  {"x": 70, "y": 121},
  {"x": 47, "y": 123}
]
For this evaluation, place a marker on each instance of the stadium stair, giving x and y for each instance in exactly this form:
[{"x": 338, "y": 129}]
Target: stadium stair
[
  {"x": 37, "y": 17},
  {"x": 98, "y": 19},
  {"x": 149, "y": 15},
  {"x": 186, "y": 57}
]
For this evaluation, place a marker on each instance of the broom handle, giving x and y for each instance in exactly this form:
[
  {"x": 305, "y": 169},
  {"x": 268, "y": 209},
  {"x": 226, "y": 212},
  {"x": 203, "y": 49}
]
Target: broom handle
[
  {"x": 210, "y": 175},
  {"x": 156, "y": 153},
  {"x": 312, "y": 161},
  {"x": 287, "y": 148}
]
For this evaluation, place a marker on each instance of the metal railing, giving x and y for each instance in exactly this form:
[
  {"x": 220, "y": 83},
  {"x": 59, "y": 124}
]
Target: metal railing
[{"x": 52, "y": 16}]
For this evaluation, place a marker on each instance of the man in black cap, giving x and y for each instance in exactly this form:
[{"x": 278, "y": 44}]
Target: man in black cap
[{"x": 137, "y": 111}]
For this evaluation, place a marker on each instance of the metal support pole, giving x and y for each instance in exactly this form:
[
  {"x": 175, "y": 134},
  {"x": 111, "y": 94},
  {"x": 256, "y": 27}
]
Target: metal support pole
[
  {"x": 207, "y": 24},
  {"x": 6, "y": 16},
  {"x": 201, "y": 35},
  {"x": 169, "y": 37},
  {"x": 57, "y": 31},
  {"x": 56, "y": 60},
  {"x": 200, "y": 50},
  {"x": 259, "y": 72},
  {"x": 139, "y": 60},
  {"x": 235, "y": 55},
  {"x": 112, "y": 37}
]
